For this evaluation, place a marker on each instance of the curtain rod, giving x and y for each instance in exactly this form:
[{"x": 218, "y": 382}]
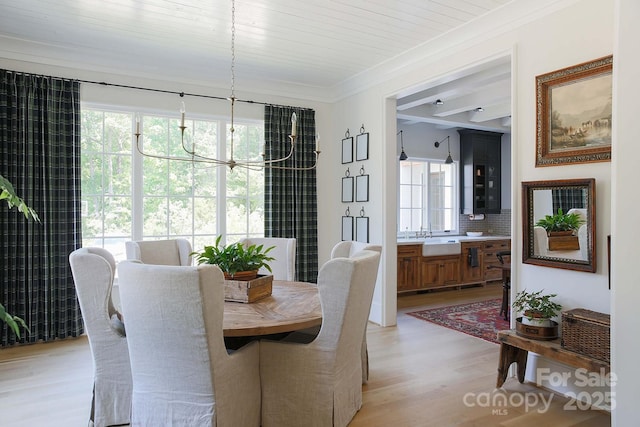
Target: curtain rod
[{"x": 183, "y": 94}]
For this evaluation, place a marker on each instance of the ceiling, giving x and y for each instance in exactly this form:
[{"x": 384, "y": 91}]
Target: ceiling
[
  {"x": 475, "y": 98},
  {"x": 310, "y": 45}
]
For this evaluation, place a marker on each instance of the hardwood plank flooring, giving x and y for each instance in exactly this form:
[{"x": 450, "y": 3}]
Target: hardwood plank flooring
[{"x": 421, "y": 375}]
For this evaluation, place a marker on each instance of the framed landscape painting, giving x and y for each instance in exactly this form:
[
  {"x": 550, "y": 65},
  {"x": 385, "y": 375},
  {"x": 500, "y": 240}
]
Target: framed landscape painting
[{"x": 573, "y": 109}]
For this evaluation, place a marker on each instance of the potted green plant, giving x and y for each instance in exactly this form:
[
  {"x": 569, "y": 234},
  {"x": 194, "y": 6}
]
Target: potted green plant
[
  {"x": 236, "y": 261},
  {"x": 537, "y": 308},
  {"x": 13, "y": 201},
  {"x": 561, "y": 222}
]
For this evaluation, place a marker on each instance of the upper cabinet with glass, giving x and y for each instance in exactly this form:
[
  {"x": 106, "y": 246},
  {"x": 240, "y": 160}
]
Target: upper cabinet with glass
[{"x": 480, "y": 172}]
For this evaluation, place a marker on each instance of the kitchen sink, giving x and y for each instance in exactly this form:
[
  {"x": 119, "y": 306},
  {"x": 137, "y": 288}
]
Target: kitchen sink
[{"x": 441, "y": 246}]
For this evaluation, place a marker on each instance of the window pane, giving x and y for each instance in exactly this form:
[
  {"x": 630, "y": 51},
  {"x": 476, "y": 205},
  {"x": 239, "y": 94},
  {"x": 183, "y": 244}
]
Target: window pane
[
  {"x": 204, "y": 212},
  {"x": 180, "y": 178},
  {"x": 404, "y": 220},
  {"x": 405, "y": 172},
  {"x": 405, "y": 196},
  {"x": 154, "y": 176},
  {"x": 416, "y": 197},
  {"x": 117, "y": 216},
  {"x": 154, "y": 216},
  {"x": 180, "y": 216}
]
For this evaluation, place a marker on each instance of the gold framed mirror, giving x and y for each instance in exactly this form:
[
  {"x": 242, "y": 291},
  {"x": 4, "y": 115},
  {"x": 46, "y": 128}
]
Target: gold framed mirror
[{"x": 559, "y": 224}]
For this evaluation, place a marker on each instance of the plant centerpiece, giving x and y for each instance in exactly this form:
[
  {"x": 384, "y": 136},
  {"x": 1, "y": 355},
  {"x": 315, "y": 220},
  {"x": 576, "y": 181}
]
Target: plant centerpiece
[
  {"x": 240, "y": 266},
  {"x": 537, "y": 310},
  {"x": 236, "y": 261}
]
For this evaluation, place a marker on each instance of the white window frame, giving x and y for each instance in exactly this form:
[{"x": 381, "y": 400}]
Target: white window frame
[
  {"x": 136, "y": 230},
  {"x": 426, "y": 208}
]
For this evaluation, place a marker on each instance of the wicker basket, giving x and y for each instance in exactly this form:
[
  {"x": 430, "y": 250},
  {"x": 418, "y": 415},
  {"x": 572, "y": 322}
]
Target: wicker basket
[{"x": 586, "y": 332}]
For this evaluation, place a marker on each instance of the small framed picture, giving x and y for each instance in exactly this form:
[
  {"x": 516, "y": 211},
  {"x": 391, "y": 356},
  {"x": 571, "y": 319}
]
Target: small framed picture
[
  {"x": 347, "y": 228},
  {"x": 347, "y": 150},
  {"x": 362, "y": 229},
  {"x": 362, "y": 188},
  {"x": 347, "y": 189},
  {"x": 362, "y": 146}
]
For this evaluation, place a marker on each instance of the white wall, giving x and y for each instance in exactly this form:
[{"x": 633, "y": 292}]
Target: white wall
[
  {"x": 572, "y": 32},
  {"x": 625, "y": 205}
]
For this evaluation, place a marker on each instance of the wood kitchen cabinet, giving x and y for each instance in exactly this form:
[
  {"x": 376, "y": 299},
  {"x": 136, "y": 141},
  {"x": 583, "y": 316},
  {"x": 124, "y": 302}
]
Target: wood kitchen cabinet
[
  {"x": 409, "y": 267},
  {"x": 490, "y": 249},
  {"x": 480, "y": 172},
  {"x": 439, "y": 271},
  {"x": 472, "y": 273}
]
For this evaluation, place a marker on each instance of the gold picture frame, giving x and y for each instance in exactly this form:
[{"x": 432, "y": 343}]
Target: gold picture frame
[{"x": 573, "y": 111}]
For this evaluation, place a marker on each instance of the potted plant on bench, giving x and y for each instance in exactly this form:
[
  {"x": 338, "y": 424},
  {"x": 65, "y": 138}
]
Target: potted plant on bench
[{"x": 537, "y": 311}]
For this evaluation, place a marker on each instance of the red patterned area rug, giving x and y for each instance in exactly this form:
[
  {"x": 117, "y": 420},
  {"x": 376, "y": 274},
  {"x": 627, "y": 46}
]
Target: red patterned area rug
[{"x": 481, "y": 319}]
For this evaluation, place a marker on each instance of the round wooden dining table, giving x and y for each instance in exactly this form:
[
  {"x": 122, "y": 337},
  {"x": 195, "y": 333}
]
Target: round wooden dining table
[{"x": 291, "y": 306}]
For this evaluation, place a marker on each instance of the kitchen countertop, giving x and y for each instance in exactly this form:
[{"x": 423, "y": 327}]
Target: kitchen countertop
[{"x": 459, "y": 238}]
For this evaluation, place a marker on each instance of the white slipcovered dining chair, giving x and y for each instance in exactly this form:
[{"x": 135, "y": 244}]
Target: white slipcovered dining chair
[
  {"x": 347, "y": 249},
  {"x": 320, "y": 383},
  {"x": 182, "y": 373},
  {"x": 93, "y": 270},
  {"x": 284, "y": 252},
  {"x": 160, "y": 252}
]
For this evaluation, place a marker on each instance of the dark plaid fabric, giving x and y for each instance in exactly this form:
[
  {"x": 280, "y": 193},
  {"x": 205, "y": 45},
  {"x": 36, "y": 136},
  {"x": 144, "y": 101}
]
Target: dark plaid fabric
[
  {"x": 290, "y": 198},
  {"x": 40, "y": 156},
  {"x": 568, "y": 198}
]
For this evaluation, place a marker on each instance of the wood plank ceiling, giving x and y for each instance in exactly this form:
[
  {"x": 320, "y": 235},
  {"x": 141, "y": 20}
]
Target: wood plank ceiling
[{"x": 313, "y": 45}]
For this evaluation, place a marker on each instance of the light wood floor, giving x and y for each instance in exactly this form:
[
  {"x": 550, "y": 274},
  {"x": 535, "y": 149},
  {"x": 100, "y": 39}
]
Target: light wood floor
[{"x": 421, "y": 375}]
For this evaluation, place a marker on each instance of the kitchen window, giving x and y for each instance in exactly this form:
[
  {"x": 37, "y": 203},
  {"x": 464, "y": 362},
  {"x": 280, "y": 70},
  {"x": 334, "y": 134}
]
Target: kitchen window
[{"x": 427, "y": 197}]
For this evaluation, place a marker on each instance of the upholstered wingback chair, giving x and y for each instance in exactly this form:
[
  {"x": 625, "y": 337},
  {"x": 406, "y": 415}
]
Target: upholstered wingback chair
[
  {"x": 284, "y": 252},
  {"x": 161, "y": 252},
  {"x": 93, "y": 271},
  {"x": 182, "y": 373},
  {"x": 320, "y": 383},
  {"x": 348, "y": 249}
]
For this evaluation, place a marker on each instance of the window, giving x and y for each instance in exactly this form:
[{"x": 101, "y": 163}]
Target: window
[
  {"x": 127, "y": 196},
  {"x": 427, "y": 197}
]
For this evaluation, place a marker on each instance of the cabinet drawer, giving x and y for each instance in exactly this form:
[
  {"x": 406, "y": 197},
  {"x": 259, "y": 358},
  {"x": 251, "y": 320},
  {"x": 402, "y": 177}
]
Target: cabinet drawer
[
  {"x": 497, "y": 245},
  {"x": 409, "y": 250}
]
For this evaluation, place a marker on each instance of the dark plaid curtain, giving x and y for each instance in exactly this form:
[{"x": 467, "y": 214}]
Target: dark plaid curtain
[
  {"x": 40, "y": 156},
  {"x": 568, "y": 198},
  {"x": 290, "y": 195}
]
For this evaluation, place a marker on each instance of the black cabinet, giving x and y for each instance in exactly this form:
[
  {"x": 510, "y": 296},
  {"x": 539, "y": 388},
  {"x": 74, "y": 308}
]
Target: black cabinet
[{"x": 479, "y": 171}]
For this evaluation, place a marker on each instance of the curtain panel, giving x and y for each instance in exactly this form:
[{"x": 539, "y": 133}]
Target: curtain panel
[
  {"x": 291, "y": 208},
  {"x": 567, "y": 198},
  {"x": 40, "y": 156}
]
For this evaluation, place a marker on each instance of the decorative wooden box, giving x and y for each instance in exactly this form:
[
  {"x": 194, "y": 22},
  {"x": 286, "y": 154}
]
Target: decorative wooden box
[
  {"x": 563, "y": 243},
  {"x": 586, "y": 332},
  {"x": 248, "y": 291}
]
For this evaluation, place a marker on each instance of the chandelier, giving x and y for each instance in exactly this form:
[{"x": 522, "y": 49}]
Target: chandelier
[{"x": 231, "y": 162}]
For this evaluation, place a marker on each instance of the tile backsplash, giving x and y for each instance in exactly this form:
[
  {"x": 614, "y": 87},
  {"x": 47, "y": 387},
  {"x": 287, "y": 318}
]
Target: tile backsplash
[{"x": 497, "y": 224}]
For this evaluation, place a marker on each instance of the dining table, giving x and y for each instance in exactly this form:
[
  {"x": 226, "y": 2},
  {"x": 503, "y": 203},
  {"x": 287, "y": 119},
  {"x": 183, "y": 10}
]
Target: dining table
[{"x": 290, "y": 307}]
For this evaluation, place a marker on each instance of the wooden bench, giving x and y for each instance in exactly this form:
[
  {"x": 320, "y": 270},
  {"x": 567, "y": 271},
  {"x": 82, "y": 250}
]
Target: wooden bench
[{"x": 515, "y": 348}]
